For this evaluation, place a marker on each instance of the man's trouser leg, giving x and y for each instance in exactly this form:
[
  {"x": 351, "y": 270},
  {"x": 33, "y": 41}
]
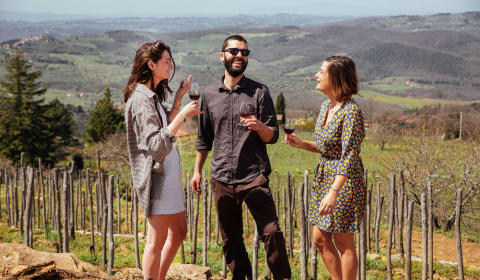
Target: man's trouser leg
[
  {"x": 262, "y": 206},
  {"x": 229, "y": 209}
]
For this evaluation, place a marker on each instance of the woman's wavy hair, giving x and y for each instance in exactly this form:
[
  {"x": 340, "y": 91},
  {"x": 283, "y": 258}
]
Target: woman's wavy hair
[
  {"x": 342, "y": 75},
  {"x": 141, "y": 73}
]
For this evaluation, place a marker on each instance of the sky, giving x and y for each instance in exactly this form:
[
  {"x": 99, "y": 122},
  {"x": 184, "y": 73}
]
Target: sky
[{"x": 158, "y": 8}]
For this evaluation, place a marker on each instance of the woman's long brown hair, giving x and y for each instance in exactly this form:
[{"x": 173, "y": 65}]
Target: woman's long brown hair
[{"x": 141, "y": 73}]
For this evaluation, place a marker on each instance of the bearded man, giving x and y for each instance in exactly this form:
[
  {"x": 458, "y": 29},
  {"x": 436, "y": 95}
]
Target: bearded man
[{"x": 239, "y": 119}]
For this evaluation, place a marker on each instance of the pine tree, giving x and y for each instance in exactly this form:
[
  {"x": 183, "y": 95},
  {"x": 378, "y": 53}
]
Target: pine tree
[
  {"x": 24, "y": 122},
  {"x": 105, "y": 119},
  {"x": 280, "y": 107},
  {"x": 21, "y": 110},
  {"x": 61, "y": 126}
]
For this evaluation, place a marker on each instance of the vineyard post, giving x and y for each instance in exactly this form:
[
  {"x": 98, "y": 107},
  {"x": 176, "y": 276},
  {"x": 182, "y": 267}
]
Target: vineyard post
[
  {"x": 458, "y": 234},
  {"x": 391, "y": 222},
  {"x": 408, "y": 241},
  {"x": 66, "y": 198}
]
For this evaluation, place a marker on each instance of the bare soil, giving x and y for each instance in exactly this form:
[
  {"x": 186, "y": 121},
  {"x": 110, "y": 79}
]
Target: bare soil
[{"x": 444, "y": 249}]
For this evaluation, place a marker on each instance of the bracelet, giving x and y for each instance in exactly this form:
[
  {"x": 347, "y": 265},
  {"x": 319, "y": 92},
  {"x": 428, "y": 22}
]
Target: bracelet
[{"x": 336, "y": 190}]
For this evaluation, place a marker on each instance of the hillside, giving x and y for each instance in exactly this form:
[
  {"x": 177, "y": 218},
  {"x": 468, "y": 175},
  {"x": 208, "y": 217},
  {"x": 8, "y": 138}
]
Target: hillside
[
  {"x": 465, "y": 22},
  {"x": 14, "y": 29},
  {"x": 395, "y": 67}
]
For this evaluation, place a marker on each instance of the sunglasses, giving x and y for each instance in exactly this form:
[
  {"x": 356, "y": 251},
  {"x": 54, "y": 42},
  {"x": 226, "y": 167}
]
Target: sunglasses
[{"x": 234, "y": 51}]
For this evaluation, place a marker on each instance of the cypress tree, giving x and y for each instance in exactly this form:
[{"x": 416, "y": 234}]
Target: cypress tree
[
  {"x": 280, "y": 107},
  {"x": 105, "y": 119}
]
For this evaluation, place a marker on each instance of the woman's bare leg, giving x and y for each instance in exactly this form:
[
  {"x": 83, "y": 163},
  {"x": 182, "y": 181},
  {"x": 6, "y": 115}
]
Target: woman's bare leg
[
  {"x": 329, "y": 253},
  {"x": 159, "y": 228},
  {"x": 156, "y": 235},
  {"x": 345, "y": 243},
  {"x": 176, "y": 234}
]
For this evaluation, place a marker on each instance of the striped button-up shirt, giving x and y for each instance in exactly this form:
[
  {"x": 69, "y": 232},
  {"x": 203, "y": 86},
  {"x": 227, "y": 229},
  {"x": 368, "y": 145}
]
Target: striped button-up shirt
[{"x": 148, "y": 142}]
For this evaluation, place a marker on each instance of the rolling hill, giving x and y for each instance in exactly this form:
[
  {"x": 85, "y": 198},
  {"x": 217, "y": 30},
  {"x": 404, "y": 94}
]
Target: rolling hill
[
  {"x": 433, "y": 65},
  {"x": 14, "y": 29},
  {"x": 468, "y": 22}
]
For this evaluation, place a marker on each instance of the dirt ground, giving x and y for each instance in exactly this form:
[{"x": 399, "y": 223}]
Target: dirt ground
[{"x": 444, "y": 249}]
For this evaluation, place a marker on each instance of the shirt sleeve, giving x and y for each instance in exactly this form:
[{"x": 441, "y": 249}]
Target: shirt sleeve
[
  {"x": 205, "y": 128},
  {"x": 267, "y": 113},
  {"x": 151, "y": 137},
  {"x": 353, "y": 132}
]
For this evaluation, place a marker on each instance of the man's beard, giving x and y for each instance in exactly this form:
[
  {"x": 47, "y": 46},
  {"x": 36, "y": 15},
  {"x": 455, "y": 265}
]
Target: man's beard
[{"x": 235, "y": 72}]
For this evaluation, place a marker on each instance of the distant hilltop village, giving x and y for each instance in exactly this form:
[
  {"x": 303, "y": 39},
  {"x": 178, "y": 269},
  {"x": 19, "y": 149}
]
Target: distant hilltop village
[{"x": 16, "y": 43}]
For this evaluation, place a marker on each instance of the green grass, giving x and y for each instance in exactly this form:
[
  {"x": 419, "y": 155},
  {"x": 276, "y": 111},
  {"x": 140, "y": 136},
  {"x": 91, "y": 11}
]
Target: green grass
[
  {"x": 205, "y": 44},
  {"x": 64, "y": 97},
  {"x": 396, "y": 84},
  {"x": 306, "y": 71},
  {"x": 93, "y": 67},
  {"x": 406, "y": 102},
  {"x": 283, "y": 159}
]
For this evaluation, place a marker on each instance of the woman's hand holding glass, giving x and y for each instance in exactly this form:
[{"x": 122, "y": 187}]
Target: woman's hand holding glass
[
  {"x": 191, "y": 109},
  {"x": 293, "y": 140}
]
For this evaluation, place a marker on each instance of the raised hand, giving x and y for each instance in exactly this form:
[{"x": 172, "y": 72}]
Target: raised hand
[{"x": 182, "y": 89}]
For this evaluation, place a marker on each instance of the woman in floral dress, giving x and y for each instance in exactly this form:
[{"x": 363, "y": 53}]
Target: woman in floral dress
[{"x": 338, "y": 195}]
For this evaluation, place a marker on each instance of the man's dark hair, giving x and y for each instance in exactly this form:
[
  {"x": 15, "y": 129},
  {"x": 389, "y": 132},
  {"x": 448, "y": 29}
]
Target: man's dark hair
[{"x": 233, "y": 37}]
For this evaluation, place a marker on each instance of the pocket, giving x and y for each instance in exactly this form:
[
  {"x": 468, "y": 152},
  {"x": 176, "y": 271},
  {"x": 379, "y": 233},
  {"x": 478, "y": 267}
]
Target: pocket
[{"x": 213, "y": 185}]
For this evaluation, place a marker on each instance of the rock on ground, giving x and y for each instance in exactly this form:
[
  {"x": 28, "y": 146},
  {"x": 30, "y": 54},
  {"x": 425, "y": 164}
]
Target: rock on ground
[{"x": 18, "y": 261}]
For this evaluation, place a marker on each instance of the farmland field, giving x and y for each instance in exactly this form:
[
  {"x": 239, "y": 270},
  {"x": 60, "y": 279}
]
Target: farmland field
[{"x": 284, "y": 159}]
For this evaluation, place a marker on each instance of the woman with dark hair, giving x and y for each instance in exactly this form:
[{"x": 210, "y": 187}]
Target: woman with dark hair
[
  {"x": 154, "y": 157},
  {"x": 338, "y": 191}
]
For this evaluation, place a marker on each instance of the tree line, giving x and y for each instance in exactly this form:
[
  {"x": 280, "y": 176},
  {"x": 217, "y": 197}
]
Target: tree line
[
  {"x": 43, "y": 129},
  {"x": 46, "y": 130}
]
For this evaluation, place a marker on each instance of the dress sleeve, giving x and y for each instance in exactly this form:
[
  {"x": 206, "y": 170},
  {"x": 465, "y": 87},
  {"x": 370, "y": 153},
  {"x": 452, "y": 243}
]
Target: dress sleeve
[
  {"x": 151, "y": 137},
  {"x": 353, "y": 132}
]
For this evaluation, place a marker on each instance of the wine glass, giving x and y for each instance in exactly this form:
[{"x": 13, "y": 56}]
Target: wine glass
[
  {"x": 289, "y": 126},
  {"x": 246, "y": 110},
  {"x": 194, "y": 92}
]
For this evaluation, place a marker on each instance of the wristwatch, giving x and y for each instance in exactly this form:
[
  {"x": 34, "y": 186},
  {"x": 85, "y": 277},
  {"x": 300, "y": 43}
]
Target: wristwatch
[{"x": 336, "y": 190}]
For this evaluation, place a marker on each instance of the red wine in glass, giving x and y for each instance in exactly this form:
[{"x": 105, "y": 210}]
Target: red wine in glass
[
  {"x": 194, "y": 92},
  {"x": 288, "y": 130},
  {"x": 244, "y": 114},
  {"x": 246, "y": 110},
  {"x": 194, "y": 96}
]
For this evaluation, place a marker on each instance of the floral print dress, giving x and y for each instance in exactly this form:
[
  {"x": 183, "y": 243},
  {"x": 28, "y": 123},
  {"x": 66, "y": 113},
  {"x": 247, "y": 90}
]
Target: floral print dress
[{"x": 339, "y": 145}]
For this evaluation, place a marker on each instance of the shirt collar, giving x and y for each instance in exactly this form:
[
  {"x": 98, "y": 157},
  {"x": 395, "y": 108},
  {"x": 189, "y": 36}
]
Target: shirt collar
[
  {"x": 145, "y": 90},
  {"x": 240, "y": 85}
]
